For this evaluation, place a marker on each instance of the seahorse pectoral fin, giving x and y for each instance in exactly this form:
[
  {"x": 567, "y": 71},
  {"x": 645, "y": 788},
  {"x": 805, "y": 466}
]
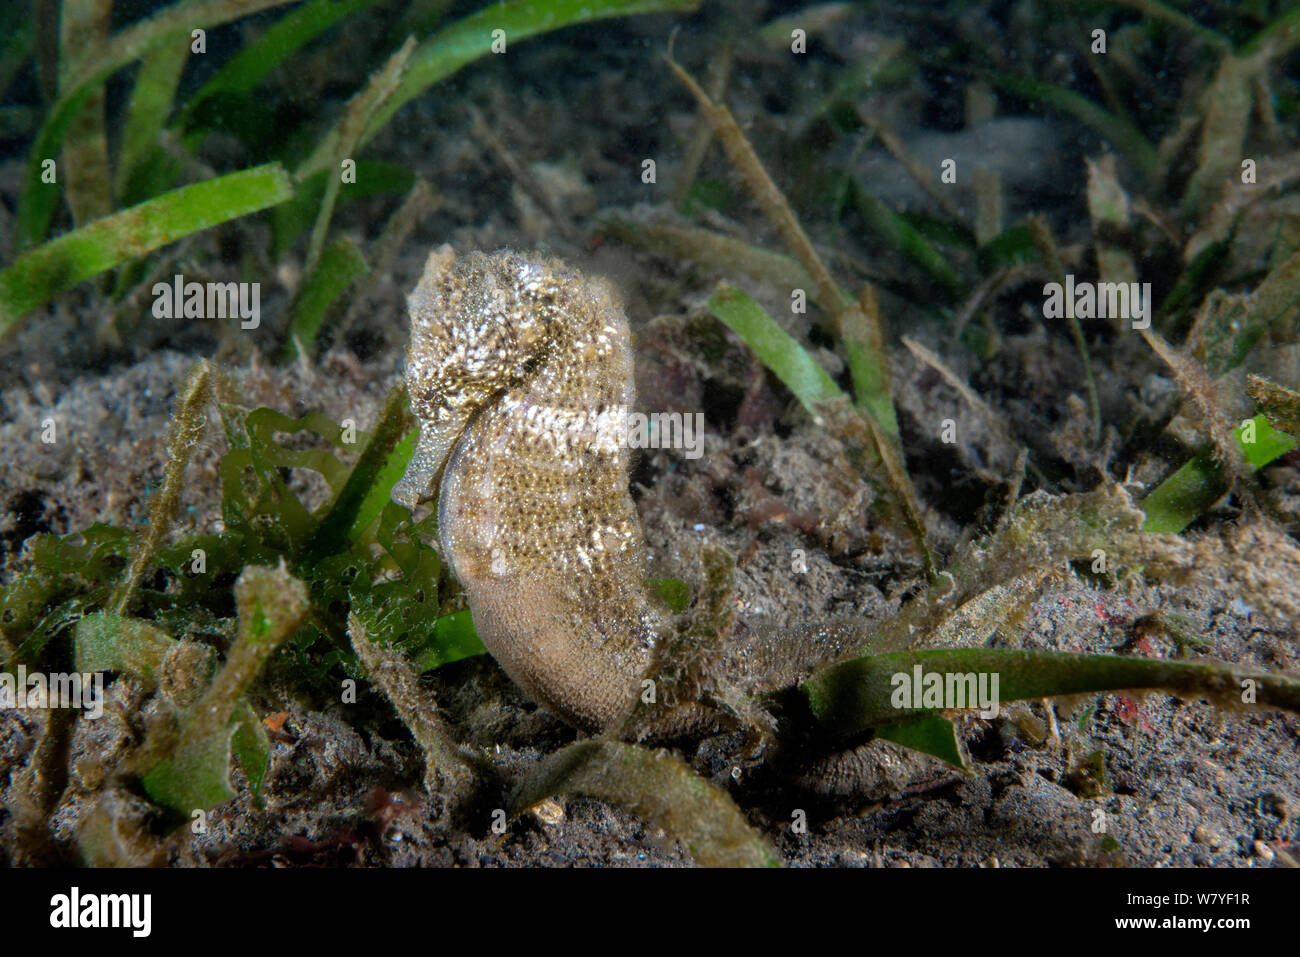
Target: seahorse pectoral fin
[{"x": 420, "y": 482}]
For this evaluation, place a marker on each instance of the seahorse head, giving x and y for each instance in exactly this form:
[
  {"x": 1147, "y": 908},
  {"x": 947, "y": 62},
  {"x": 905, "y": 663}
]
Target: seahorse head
[{"x": 478, "y": 327}]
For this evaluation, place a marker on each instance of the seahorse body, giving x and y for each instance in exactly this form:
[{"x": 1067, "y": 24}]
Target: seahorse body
[{"x": 520, "y": 373}]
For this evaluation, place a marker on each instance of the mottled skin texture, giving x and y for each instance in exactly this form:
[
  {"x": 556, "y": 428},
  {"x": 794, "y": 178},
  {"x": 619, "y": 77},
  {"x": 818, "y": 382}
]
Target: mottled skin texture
[{"x": 519, "y": 373}]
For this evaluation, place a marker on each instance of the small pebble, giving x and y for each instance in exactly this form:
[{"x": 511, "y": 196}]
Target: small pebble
[
  {"x": 549, "y": 812},
  {"x": 1204, "y": 834},
  {"x": 1263, "y": 851}
]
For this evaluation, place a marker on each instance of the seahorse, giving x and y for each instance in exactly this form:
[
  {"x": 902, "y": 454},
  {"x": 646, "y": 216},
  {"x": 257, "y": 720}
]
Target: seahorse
[{"x": 519, "y": 372}]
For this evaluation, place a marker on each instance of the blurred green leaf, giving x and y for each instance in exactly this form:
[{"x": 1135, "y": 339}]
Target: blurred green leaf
[
  {"x": 108, "y": 642},
  {"x": 673, "y": 592},
  {"x": 252, "y": 749},
  {"x": 36, "y": 276},
  {"x": 54, "y": 568},
  {"x": 896, "y": 230},
  {"x": 857, "y": 695},
  {"x": 932, "y": 734},
  {"x": 1013, "y": 247},
  {"x": 453, "y": 638},
  {"x": 657, "y": 787},
  {"x": 366, "y": 490},
  {"x": 38, "y": 200},
  {"x": 1190, "y": 491},
  {"x": 196, "y": 777},
  {"x": 775, "y": 348},
  {"x": 340, "y": 265},
  {"x": 290, "y": 220},
  {"x": 1119, "y": 131},
  {"x": 472, "y": 37},
  {"x": 258, "y": 57},
  {"x": 151, "y": 104}
]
